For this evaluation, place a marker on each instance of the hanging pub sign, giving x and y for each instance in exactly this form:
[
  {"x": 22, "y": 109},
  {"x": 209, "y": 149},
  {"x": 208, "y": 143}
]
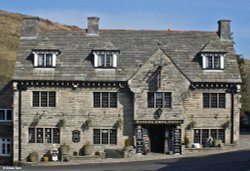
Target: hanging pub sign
[
  {"x": 76, "y": 136},
  {"x": 177, "y": 141}
]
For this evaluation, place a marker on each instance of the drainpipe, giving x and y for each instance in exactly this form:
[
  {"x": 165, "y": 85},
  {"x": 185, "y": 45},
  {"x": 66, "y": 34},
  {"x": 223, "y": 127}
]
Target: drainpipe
[
  {"x": 232, "y": 116},
  {"x": 232, "y": 91},
  {"x": 19, "y": 123},
  {"x": 20, "y": 89}
]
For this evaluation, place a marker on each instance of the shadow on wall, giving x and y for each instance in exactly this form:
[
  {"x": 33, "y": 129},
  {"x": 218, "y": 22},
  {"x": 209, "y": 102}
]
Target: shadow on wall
[{"x": 6, "y": 96}]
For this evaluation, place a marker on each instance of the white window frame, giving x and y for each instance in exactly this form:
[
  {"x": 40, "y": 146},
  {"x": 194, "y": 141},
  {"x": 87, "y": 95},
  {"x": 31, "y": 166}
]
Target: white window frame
[
  {"x": 5, "y": 142},
  {"x": 44, "y": 135},
  {"x": 36, "y": 56},
  {"x": 205, "y": 61},
  {"x": 97, "y": 62},
  {"x": 5, "y": 115}
]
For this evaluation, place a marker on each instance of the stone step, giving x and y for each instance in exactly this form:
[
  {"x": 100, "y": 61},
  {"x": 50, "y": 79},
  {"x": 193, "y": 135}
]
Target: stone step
[{"x": 76, "y": 158}]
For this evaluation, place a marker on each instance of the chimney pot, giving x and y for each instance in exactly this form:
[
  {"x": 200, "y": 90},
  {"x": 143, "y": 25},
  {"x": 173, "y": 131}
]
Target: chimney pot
[
  {"x": 93, "y": 25},
  {"x": 224, "y": 29}
]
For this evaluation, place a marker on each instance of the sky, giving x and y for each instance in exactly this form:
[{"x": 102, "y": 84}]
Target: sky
[{"x": 201, "y": 15}]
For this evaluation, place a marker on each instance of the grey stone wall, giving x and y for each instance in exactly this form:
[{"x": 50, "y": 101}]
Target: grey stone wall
[
  {"x": 210, "y": 118},
  {"x": 75, "y": 107},
  {"x": 172, "y": 80}
]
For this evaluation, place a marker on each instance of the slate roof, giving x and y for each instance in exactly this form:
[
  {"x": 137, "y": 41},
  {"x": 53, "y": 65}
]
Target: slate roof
[{"x": 75, "y": 62}]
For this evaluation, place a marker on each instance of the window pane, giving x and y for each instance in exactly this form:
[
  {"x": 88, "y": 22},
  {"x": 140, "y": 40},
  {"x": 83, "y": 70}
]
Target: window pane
[
  {"x": 39, "y": 135},
  {"x": 9, "y": 115},
  {"x": 52, "y": 99},
  {"x": 8, "y": 148},
  {"x": 109, "y": 60},
  {"x": 56, "y": 135},
  {"x": 31, "y": 135},
  {"x": 101, "y": 60},
  {"x": 205, "y": 135},
  {"x": 35, "y": 99},
  {"x": 97, "y": 100},
  {"x": 217, "y": 62},
  {"x": 49, "y": 60},
  {"x": 48, "y": 135},
  {"x": 222, "y": 100},
  {"x": 97, "y": 136},
  {"x": 150, "y": 100},
  {"x": 159, "y": 99},
  {"x": 105, "y": 100},
  {"x": 40, "y": 59},
  {"x": 206, "y": 100},
  {"x": 44, "y": 99},
  {"x": 3, "y": 148},
  {"x": 214, "y": 102},
  {"x": 113, "y": 138},
  {"x": 168, "y": 100},
  {"x": 2, "y": 115},
  {"x": 221, "y": 135},
  {"x": 105, "y": 136},
  {"x": 209, "y": 62},
  {"x": 214, "y": 133},
  {"x": 113, "y": 100},
  {"x": 197, "y": 136}
]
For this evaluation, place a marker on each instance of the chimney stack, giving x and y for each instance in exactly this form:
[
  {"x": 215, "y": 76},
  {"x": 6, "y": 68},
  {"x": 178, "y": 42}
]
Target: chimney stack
[
  {"x": 93, "y": 26},
  {"x": 224, "y": 30},
  {"x": 30, "y": 26}
]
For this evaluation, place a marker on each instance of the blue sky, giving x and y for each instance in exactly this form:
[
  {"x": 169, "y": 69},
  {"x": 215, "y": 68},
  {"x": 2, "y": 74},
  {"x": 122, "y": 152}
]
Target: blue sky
[{"x": 145, "y": 14}]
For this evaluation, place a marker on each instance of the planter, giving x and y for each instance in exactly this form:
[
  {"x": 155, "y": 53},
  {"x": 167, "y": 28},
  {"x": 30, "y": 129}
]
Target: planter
[
  {"x": 64, "y": 149},
  {"x": 45, "y": 159},
  {"x": 33, "y": 157},
  {"x": 88, "y": 149}
]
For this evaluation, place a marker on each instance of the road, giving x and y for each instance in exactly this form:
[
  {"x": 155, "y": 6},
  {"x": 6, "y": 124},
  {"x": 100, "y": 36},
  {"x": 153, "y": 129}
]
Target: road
[{"x": 231, "y": 161}]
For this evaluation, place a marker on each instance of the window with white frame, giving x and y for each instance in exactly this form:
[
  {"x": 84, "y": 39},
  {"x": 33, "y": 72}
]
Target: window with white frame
[
  {"x": 45, "y": 59},
  {"x": 5, "y": 146},
  {"x": 44, "y": 135},
  {"x": 5, "y": 115},
  {"x": 213, "y": 61},
  {"x": 105, "y": 136},
  {"x": 105, "y": 59},
  {"x": 201, "y": 135}
]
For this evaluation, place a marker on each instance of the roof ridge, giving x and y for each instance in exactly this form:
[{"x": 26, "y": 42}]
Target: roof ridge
[{"x": 142, "y": 30}]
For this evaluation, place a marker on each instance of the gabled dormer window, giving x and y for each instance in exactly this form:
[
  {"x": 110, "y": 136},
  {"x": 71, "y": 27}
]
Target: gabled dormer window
[
  {"x": 105, "y": 59},
  {"x": 212, "y": 61},
  {"x": 45, "y": 59}
]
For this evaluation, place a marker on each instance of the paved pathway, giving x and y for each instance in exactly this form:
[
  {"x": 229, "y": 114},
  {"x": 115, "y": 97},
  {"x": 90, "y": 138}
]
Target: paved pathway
[{"x": 243, "y": 144}]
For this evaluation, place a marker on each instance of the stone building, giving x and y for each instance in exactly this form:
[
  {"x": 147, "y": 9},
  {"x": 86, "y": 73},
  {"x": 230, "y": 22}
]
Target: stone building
[
  {"x": 96, "y": 86},
  {"x": 6, "y": 100}
]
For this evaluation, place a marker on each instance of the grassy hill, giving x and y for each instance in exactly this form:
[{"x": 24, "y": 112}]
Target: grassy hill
[{"x": 10, "y": 31}]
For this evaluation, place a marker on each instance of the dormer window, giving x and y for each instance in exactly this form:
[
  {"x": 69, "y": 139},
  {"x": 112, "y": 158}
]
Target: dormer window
[
  {"x": 212, "y": 61},
  {"x": 45, "y": 59},
  {"x": 105, "y": 59}
]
